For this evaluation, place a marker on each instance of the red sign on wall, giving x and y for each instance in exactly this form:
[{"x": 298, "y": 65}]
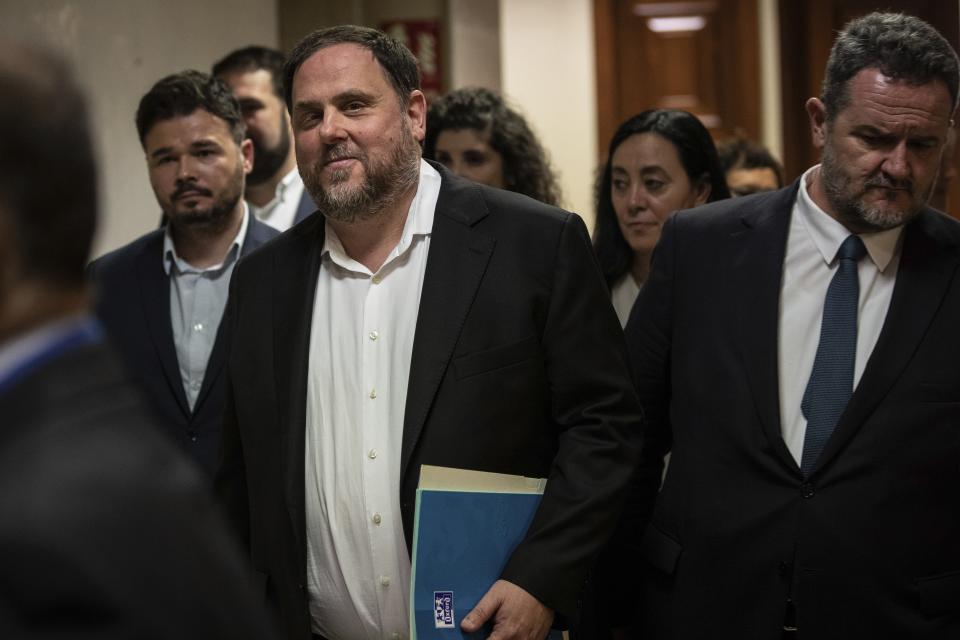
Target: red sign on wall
[{"x": 422, "y": 37}]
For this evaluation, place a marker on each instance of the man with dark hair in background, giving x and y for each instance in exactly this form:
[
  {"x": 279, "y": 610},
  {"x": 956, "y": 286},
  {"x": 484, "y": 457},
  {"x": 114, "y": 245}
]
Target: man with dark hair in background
[
  {"x": 749, "y": 167},
  {"x": 106, "y": 531},
  {"x": 796, "y": 351},
  {"x": 162, "y": 296},
  {"x": 421, "y": 319},
  {"x": 274, "y": 189}
]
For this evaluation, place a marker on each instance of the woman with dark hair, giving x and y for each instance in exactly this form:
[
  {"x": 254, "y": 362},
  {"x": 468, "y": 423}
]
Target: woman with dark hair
[
  {"x": 659, "y": 161},
  {"x": 477, "y": 136}
]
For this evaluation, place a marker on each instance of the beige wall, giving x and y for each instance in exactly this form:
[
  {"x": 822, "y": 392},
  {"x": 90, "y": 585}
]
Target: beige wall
[
  {"x": 119, "y": 49},
  {"x": 473, "y": 44},
  {"x": 547, "y": 69},
  {"x": 300, "y": 17}
]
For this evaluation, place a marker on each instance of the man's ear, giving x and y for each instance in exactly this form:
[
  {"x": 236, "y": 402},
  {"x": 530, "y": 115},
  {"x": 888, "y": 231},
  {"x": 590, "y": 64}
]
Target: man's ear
[
  {"x": 817, "y": 112},
  {"x": 417, "y": 113},
  {"x": 246, "y": 152}
]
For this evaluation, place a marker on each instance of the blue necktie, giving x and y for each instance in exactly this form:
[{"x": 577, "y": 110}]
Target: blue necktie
[{"x": 831, "y": 381}]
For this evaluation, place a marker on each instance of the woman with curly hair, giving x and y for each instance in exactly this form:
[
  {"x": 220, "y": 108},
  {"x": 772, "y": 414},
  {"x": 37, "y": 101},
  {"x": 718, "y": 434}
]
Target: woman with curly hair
[
  {"x": 659, "y": 161},
  {"x": 477, "y": 136}
]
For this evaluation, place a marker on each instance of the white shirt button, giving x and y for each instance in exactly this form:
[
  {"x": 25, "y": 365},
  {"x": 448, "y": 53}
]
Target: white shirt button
[
  {"x": 373, "y": 394},
  {"x": 375, "y": 279},
  {"x": 198, "y": 326},
  {"x": 384, "y": 581},
  {"x": 374, "y": 335},
  {"x": 373, "y": 454},
  {"x": 377, "y": 518}
]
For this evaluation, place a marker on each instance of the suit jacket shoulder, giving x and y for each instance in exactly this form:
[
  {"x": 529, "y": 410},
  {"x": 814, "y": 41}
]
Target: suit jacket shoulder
[{"x": 94, "y": 500}]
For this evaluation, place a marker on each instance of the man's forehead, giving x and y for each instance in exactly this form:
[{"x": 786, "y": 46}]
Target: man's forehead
[
  {"x": 249, "y": 79},
  {"x": 189, "y": 128},
  {"x": 337, "y": 66},
  {"x": 872, "y": 89}
]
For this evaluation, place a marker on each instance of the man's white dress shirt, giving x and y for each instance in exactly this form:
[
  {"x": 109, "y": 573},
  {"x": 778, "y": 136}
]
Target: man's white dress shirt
[
  {"x": 810, "y": 262},
  {"x": 280, "y": 212},
  {"x": 361, "y": 342}
]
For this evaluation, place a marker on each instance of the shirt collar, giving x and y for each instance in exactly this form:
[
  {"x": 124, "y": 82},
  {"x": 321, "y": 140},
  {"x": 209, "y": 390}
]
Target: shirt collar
[
  {"x": 419, "y": 222},
  {"x": 828, "y": 234},
  {"x": 20, "y": 350},
  {"x": 170, "y": 256}
]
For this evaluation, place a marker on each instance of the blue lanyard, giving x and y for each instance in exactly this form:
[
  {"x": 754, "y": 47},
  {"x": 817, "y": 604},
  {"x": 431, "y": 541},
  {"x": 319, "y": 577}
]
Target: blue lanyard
[{"x": 86, "y": 331}]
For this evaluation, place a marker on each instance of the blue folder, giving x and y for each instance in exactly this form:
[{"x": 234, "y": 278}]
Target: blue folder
[{"x": 463, "y": 537}]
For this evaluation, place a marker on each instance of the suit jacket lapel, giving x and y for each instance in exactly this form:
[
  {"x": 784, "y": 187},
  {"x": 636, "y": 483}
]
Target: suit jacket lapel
[
  {"x": 257, "y": 234},
  {"x": 294, "y": 280},
  {"x": 923, "y": 278},
  {"x": 155, "y": 298},
  {"x": 758, "y": 268},
  {"x": 458, "y": 257}
]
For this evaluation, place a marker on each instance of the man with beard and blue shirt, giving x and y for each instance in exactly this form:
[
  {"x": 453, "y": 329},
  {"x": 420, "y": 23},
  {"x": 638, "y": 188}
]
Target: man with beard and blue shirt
[{"x": 162, "y": 296}]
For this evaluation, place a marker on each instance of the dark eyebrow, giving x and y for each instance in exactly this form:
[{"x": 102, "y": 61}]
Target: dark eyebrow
[
  {"x": 340, "y": 98},
  {"x": 161, "y": 151}
]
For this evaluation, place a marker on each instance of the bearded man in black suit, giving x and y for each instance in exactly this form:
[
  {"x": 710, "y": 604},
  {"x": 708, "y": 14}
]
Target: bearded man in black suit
[
  {"x": 796, "y": 351},
  {"x": 421, "y": 319}
]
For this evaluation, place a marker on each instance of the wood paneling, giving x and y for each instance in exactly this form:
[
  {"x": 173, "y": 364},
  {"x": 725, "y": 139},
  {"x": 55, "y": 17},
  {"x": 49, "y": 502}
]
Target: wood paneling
[{"x": 710, "y": 69}]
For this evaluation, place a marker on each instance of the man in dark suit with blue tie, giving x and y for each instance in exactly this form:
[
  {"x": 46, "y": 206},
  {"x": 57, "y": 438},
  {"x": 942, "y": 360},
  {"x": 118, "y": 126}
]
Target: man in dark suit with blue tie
[
  {"x": 796, "y": 352},
  {"x": 162, "y": 296},
  {"x": 274, "y": 190}
]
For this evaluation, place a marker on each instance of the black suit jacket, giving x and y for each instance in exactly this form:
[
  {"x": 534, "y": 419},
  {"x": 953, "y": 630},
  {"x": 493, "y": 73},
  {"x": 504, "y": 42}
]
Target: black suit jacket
[
  {"x": 106, "y": 530},
  {"x": 517, "y": 367},
  {"x": 133, "y": 303},
  {"x": 867, "y": 546}
]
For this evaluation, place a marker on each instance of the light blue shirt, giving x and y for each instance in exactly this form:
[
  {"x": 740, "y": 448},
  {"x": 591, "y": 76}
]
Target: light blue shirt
[{"x": 197, "y": 300}]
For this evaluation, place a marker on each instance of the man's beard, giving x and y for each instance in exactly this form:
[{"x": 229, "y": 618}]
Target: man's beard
[
  {"x": 211, "y": 220},
  {"x": 266, "y": 162},
  {"x": 382, "y": 185},
  {"x": 850, "y": 207}
]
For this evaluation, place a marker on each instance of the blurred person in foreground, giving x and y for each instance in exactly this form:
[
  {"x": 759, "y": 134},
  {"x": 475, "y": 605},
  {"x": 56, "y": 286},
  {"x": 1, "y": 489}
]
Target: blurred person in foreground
[
  {"x": 749, "y": 167},
  {"x": 421, "y": 319},
  {"x": 659, "y": 162},
  {"x": 274, "y": 190},
  {"x": 477, "y": 136},
  {"x": 105, "y": 530},
  {"x": 162, "y": 296},
  {"x": 796, "y": 352}
]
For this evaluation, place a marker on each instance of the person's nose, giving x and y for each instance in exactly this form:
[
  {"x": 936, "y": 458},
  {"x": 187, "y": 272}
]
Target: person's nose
[
  {"x": 897, "y": 162},
  {"x": 637, "y": 200},
  {"x": 332, "y": 128}
]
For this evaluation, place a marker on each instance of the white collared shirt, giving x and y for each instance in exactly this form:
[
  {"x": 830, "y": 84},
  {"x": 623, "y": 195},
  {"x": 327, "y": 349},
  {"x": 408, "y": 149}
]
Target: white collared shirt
[
  {"x": 361, "y": 343},
  {"x": 280, "y": 212},
  {"x": 623, "y": 294},
  {"x": 810, "y": 262},
  {"x": 197, "y": 300}
]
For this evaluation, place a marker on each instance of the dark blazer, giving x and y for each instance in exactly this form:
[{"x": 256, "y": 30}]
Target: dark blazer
[
  {"x": 133, "y": 303},
  {"x": 867, "y": 546},
  {"x": 106, "y": 531},
  {"x": 304, "y": 208},
  {"x": 518, "y": 367}
]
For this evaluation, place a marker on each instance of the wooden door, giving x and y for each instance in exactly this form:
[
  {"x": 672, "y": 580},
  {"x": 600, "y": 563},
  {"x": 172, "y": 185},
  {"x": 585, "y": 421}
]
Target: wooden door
[{"x": 700, "y": 56}]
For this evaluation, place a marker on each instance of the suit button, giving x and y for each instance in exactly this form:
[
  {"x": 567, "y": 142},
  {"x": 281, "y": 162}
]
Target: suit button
[
  {"x": 192, "y": 435},
  {"x": 807, "y": 490}
]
